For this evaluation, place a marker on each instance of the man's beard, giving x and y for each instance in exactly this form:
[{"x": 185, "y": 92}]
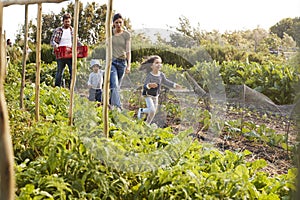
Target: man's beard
[{"x": 67, "y": 26}]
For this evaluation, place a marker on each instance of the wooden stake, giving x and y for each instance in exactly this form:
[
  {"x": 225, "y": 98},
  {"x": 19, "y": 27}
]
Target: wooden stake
[
  {"x": 7, "y": 181},
  {"x": 38, "y": 62},
  {"x": 24, "y": 59},
  {"x": 108, "y": 35},
  {"x": 23, "y": 2},
  {"x": 74, "y": 61}
]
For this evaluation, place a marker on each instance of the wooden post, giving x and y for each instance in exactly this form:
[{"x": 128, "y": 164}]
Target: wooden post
[
  {"x": 23, "y": 2},
  {"x": 108, "y": 44},
  {"x": 24, "y": 59},
  {"x": 74, "y": 61},
  {"x": 38, "y": 62},
  {"x": 7, "y": 182}
]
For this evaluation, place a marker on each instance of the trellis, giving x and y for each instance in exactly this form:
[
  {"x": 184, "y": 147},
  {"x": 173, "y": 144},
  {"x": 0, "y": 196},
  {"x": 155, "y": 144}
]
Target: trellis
[{"x": 7, "y": 182}]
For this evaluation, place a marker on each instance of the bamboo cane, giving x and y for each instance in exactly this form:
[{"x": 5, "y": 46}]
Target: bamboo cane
[
  {"x": 38, "y": 62},
  {"x": 74, "y": 61},
  {"x": 24, "y": 59},
  {"x": 7, "y": 181},
  {"x": 108, "y": 45}
]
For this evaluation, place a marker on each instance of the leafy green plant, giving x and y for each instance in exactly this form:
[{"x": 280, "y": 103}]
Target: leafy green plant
[
  {"x": 276, "y": 81},
  {"x": 58, "y": 161}
]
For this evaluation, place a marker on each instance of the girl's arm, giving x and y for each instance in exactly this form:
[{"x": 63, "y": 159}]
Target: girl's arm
[
  {"x": 147, "y": 81},
  {"x": 148, "y": 84},
  {"x": 169, "y": 83}
]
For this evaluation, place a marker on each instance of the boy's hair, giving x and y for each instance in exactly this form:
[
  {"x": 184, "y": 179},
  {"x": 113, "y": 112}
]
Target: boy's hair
[
  {"x": 67, "y": 16},
  {"x": 146, "y": 65}
]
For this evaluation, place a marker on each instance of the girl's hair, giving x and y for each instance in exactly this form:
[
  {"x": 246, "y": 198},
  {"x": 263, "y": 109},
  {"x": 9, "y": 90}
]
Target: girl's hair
[
  {"x": 117, "y": 16},
  {"x": 146, "y": 65}
]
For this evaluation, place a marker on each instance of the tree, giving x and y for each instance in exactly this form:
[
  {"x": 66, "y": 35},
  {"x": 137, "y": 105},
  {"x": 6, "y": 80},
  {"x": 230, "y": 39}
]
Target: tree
[
  {"x": 31, "y": 33},
  {"x": 90, "y": 27},
  {"x": 100, "y": 16},
  {"x": 49, "y": 20},
  {"x": 287, "y": 42},
  {"x": 289, "y": 26},
  {"x": 185, "y": 35},
  {"x": 295, "y": 30},
  {"x": 270, "y": 42},
  {"x": 181, "y": 40},
  {"x": 185, "y": 27},
  {"x": 258, "y": 36},
  {"x": 282, "y": 26},
  {"x": 213, "y": 37}
]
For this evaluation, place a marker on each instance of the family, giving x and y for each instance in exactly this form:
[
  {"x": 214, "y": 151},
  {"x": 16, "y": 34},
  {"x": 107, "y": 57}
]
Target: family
[{"x": 121, "y": 64}]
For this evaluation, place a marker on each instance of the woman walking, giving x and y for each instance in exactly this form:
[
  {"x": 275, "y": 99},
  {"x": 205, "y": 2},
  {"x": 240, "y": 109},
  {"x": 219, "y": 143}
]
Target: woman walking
[{"x": 121, "y": 58}]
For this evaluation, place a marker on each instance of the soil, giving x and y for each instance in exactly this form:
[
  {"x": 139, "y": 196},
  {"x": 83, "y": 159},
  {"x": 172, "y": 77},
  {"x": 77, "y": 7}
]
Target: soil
[{"x": 279, "y": 160}]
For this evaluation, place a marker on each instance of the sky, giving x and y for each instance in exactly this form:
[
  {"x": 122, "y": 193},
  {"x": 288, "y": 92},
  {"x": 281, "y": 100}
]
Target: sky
[{"x": 220, "y": 15}]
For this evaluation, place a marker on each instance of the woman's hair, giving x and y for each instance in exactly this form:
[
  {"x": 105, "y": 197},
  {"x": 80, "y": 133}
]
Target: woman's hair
[
  {"x": 117, "y": 16},
  {"x": 67, "y": 16},
  {"x": 146, "y": 65},
  {"x": 8, "y": 42}
]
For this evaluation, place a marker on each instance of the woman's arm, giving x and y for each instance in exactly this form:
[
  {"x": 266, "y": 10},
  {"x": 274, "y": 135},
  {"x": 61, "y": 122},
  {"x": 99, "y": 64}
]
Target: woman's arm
[{"x": 128, "y": 55}]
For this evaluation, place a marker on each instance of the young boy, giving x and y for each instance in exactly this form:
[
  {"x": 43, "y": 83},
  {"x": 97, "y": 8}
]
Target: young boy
[{"x": 95, "y": 81}]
